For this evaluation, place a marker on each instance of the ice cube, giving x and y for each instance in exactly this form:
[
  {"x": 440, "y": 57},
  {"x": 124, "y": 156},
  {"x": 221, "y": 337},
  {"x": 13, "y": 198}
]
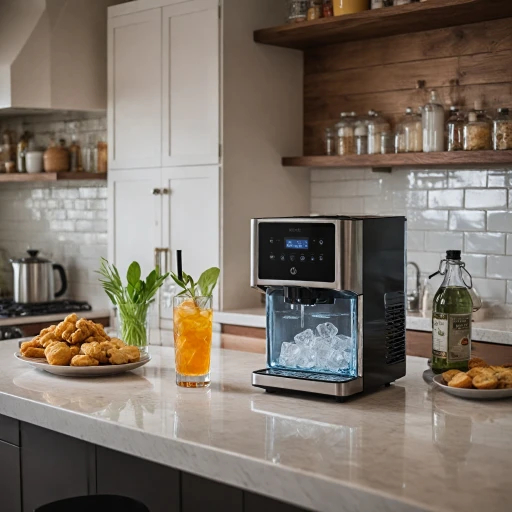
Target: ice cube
[
  {"x": 305, "y": 338},
  {"x": 320, "y": 343},
  {"x": 337, "y": 361},
  {"x": 323, "y": 356},
  {"x": 289, "y": 354},
  {"x": 326, "y": 330},
  {"x": 341, "y": 342},
  {"x": 307, "y": 358}
]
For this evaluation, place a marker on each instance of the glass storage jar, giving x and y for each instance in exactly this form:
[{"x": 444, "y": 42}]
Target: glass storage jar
[
  {"x": 329, "y": 142},
  {"x": 345, "y": 134},
  {"x": 314, "y": 10},
  {"x": 412, "y": 132},
  {"x": 297, "y": 11},
  {"x": 361, "y": 137},
  {"x": 433, "y": 124},
  {"x": 377, "y": 125},
  {"x": 502, "y": 130},
  {"x": 477, "y": 133},
  {"x": 455, "y": 129},
  {"x": 399, "y": 140},
  {"x": 401, "y": 2}
]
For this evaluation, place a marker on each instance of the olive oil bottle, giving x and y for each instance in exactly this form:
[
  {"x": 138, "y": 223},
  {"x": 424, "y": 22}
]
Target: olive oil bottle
[{"x": 451, "y": 318}]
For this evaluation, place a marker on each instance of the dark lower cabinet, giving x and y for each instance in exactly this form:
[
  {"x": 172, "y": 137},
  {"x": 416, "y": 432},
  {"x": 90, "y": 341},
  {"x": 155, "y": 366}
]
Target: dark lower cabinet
[
  {"x": 54, "y": 467},
  {"x": 198, "y": 494},
  {"x": 9, "y": 430},
  {"x": 257, "y": 503},
  {"x": 10, "y": 478},
  {"x": 157, "y": 486}
]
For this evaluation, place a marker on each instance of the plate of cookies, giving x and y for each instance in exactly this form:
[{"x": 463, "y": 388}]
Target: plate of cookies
[
  {"x": 481, "y": 382},
  {"x": 80, "y": 348}
]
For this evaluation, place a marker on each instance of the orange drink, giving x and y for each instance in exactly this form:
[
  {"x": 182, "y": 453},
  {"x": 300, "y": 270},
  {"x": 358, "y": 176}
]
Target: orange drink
[{"x": 193, "y": 320}]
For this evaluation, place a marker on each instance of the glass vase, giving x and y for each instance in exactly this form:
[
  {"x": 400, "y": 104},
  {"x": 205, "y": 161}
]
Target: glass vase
[{"x": 133, "y": 326}]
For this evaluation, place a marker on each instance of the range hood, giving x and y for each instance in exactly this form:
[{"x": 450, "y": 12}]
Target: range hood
[{"x": 53, "y": 55}]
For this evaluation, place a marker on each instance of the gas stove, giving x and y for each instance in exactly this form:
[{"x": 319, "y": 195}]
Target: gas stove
[{"x": 10, "y": 309}]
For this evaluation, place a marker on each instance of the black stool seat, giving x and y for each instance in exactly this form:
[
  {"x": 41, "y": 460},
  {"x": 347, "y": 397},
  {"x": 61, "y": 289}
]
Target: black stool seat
[{"x": 90, "y": 503}]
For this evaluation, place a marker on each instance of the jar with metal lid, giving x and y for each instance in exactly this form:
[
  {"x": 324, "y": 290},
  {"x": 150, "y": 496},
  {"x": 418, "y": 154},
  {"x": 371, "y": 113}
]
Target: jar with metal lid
[
  {"x": 477, "y": 133},
  {"x": 412, "y": 131},
  {"x": 329, "y": 142},
  {"x": 297, "y": 11},
  {"x": 502, "y": 130},
  {"x": 345, "y": 134},
  {"x": 361, "y": 137},
  {"x": 455, "y": 129},
  {"x": 433, "y": 124},
  {"x": 377, "y": 125}
]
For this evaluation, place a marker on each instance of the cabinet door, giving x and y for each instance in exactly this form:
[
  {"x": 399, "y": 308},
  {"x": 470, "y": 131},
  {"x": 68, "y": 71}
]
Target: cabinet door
[
  {"x": 10, "y": 478},
  {"x": 190, "y": 67},
  {"x": 154, "y": 485},
  {"x": 135, "y": 90},
  {"x": 54, "y": 467},
  {"x": 256, "y": 503},
  {"x": 191, "y": 219},
  {"x": 135, "y": 210}
]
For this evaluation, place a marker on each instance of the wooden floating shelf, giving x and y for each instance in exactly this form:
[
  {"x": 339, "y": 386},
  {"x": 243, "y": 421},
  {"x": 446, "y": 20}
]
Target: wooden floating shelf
[
  {"x": 388, "y": 21},
  {"x": 410, "y": 160},
  {"x": 51, "y": 176}
]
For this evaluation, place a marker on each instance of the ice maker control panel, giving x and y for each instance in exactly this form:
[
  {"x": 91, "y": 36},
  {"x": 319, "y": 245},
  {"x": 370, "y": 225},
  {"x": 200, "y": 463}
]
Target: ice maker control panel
[{"x": 297, "y": 251}]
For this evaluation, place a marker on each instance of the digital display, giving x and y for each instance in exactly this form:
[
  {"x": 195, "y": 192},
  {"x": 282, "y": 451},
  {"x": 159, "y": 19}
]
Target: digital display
[{"x": 297, "y": 243}]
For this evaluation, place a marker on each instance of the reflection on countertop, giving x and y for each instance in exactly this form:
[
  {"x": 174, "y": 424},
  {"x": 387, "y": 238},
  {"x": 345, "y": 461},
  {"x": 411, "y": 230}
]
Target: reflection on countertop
[{"x": 409, "y": 447}]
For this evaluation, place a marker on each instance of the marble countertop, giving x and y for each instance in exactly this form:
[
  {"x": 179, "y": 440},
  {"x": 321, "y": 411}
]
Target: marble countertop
[
  {"x": 23, "y": 320},
  {"x": 492, "y": 330},
  {"x": 405, "y": 448}
]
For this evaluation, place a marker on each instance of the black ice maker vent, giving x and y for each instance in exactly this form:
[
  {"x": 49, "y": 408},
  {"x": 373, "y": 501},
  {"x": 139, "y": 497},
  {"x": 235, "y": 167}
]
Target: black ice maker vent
[{"x": 394, "y": 304}]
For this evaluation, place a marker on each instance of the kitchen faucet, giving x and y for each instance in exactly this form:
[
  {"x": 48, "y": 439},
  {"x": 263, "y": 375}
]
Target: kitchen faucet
[{"x": 413, "y": 297}]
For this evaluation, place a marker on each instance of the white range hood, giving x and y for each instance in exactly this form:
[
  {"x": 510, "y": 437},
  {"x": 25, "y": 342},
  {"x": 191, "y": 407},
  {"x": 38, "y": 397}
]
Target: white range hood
[{"x": 53, "y": 55}]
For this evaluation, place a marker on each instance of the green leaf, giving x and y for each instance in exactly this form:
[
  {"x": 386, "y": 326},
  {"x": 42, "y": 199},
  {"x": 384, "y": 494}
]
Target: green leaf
[
  {"x": 208, "y": 281},
  {"x": 133, "y": 274}
]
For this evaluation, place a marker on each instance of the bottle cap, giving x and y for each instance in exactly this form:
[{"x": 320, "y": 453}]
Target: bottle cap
[
  {"x": 478, "y": 104},
  {"x": 453, "y": 255},
  {"x": 454, "y": 109},
  {"x": 472, "y": 117},
  {"x": 408, "y": 110},
  {"x": 503, "y": 111}
]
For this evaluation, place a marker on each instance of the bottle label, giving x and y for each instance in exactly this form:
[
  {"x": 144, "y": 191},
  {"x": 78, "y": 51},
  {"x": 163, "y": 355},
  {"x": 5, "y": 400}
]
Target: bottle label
[{"x": 451, "y": 336}]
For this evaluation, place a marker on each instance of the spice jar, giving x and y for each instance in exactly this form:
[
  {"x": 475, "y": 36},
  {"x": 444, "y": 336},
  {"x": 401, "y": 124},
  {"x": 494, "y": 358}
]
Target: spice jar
[
  {"x": 412, "y": 131},
  {"x": 297, "y": 11},
  {"x": 455, "y": 129},
  {"x": 377, "y": 125},
  {"x": 329, "y": 142},
  {"x": 314, "y": 10},
  {"x": 399, "y": 139},
  {"x": 502, "y": 130},
  {"x": 327, "y": 10},
  {"x": 345, "y": 134},
  {"x": 433, "y": 124},
  {"x": 477, "y": 133},
  {"x": 361, "y": 138}
]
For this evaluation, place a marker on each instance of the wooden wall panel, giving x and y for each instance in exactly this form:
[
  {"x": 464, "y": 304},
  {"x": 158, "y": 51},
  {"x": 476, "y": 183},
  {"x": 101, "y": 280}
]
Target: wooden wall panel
[{"x": 463, "y": 63}]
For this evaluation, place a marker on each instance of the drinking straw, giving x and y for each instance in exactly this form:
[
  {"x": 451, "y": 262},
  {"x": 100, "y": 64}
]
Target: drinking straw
[{"x": 180, "y": 265}]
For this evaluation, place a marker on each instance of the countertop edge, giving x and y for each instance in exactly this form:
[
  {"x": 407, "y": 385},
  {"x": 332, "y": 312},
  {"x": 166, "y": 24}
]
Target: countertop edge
[{"x": 288, "y": 485}]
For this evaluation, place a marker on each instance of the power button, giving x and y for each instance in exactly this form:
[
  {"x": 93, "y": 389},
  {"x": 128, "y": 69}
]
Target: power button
[{"x": 293, "y": 271}]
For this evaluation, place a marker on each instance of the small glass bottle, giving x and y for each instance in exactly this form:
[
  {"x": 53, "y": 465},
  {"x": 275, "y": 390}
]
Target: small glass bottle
[
  {"x": 451, "y": 318},
  {"x": 399, "y": 138},
  {"x": 345, "y": 134},
  {"x": 361, "y": 138},
  {"x": 297, "y": 11},
  {"x": 102, "y": 155},
  {"x": 433, "y": 124},
  {"x": 387, "y": 143},
  {"x": 314, "y": 10},
  {"x": 455, "y": 129},
  {"x": 327, "y": 9},
  {"x": 412, "y": 132},
  {"x": 502, "y": 130},
  {"x": 377, "y": 125},
  {"x": 477, "y": 133},
  {"x": 75, "y": 155},
  {"x": 329, "y": 142}
]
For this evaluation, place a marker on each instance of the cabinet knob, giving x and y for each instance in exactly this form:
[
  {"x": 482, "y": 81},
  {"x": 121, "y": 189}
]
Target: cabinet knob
[
  {"x": 165, "y": 191},
  {"x": 156, "y": 191}
]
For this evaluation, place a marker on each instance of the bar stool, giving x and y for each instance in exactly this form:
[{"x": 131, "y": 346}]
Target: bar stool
[{"x": 98, "y": 502}]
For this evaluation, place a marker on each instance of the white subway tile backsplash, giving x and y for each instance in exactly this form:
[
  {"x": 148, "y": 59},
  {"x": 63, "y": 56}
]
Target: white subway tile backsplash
[
  {"x": 485, "y": 243},
  {"x": 427, "y": 261},
  {"x": 467, "y": 220},
  {"x": 443, "y": 241},
  {"x": 509, "y": 244},
  {"x": 491, "y": 289},
  {"x": 498, "y": 178},
  {"x": 336, "y": 175},
  {"x": 329, "y": 189},
  {"x": 499, "y": 221},
  {"x": 499, "y": 267},
  {"x": 368, "y": 187},
  {"x": 509, "y": 292},
  {"x": 486, "y": 198},
  {"x": 427, "y": 179},
  {"x": 476, "y": 264},
  {"x": 415, "y": 240},
  {"x": 410, "y": 199},
  {"x": 467, "y": 179},
  {"x": 445, "y": 198},
  {"x": 427, "y": 219}
]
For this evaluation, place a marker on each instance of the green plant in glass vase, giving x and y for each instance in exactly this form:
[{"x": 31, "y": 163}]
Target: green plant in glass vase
[{"x": 133, "y": 300}]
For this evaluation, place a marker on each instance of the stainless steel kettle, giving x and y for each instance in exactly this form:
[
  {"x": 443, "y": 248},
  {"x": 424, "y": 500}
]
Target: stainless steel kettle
[{"x": 34, "y": 279}]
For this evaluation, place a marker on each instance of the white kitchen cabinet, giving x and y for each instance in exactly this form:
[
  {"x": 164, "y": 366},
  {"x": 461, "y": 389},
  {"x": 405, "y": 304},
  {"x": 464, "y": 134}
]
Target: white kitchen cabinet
[
  {"x": 135, "y": 90},
  {"x": 135, "y": 218},
  {"x": 190, "y": 64}
]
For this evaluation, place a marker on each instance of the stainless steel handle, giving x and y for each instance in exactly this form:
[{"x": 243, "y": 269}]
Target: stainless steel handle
[{"x": 156, "y": 191}]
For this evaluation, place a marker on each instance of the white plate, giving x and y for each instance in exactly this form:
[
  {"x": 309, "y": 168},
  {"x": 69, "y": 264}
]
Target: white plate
[
  {"x": 474, "y": 394},
  {"x": 82, "y": 371}
]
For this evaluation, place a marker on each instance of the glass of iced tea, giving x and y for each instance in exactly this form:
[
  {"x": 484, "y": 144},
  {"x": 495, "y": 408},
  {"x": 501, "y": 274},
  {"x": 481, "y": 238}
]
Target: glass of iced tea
[{"x": 193, "y": 321}]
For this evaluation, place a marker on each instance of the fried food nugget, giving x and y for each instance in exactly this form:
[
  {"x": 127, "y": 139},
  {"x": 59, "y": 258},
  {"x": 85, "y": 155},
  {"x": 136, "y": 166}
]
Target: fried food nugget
[
  {"x": 115, "y": 356},
  {"x": 67, "y": 327},
  {"x": 58, "y": 354},
  {"x": 48, "y": 335},
  {"x": 29, "y": 344},
  {"x": 504, "y": 378},
  {"x": 99, "y": 332},
  {"x": 485, "y": 381},
  {"x": 117, "y": 342},
  {"x": 83, "y": 331},
  {"x": 133, "y": 353},
  {"x": 84, "y": 360},
  {"x": 448, "y": 375},
  {"x": 75, "y": 350},
  {"x": 476, "y": 362},
  {"x": 33, "y": 352},
  {"x": 478, "y": 370},
  {"x": 94, "y": 350},
  {"x": 461, "y": 380}
]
